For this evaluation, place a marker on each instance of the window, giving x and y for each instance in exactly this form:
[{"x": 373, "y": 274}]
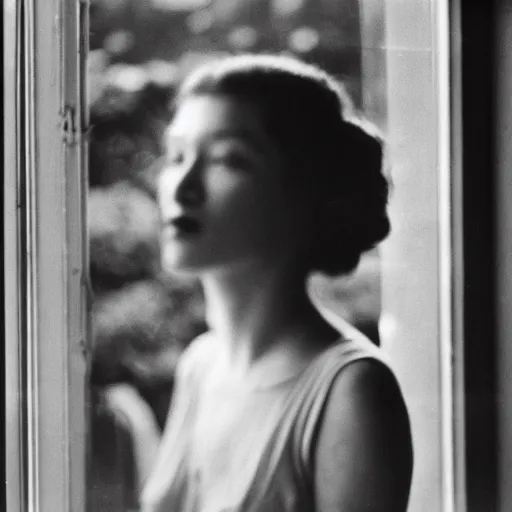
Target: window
[{"x": 401, "y": 67}]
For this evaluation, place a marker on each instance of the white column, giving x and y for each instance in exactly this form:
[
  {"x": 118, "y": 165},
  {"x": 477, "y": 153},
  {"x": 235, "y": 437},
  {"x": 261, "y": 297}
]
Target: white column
[{"x": 413, "y": 324}]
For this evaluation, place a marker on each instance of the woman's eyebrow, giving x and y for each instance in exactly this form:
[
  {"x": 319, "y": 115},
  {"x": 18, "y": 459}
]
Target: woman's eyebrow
[
  {"x": 235, "y": 133},
  {"x": 243, "y": 135}
]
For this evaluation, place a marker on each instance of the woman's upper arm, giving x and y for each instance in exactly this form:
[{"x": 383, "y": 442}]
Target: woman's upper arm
[{"x": 363, "y": 450}]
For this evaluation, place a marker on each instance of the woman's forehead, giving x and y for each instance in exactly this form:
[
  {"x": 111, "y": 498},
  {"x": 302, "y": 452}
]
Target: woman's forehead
[
  {"x": 208, "y": 114},
  {"x": 213, "y": 118}
]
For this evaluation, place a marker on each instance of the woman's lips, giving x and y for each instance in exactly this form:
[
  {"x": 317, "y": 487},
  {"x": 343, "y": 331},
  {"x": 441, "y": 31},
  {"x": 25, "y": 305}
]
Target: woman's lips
[{"x": 183, "y": 225}]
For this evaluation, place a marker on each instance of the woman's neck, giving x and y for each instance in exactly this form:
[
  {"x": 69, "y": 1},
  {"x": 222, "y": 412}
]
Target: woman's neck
[{"x": 254, "y": 310}]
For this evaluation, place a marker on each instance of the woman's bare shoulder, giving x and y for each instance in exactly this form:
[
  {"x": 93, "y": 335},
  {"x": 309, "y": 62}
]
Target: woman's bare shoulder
[
  {"x": 363, "y": 455},
  {"x": 369, "y": 385}
]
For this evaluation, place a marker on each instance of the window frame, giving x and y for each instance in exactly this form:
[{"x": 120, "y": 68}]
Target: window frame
[
  {"x": 45, "y": 466},
  {"x": 502, "y": 111},
  {"x": 419, "y": 319},
  {"x": 474, "y": 53},
  {"x": 46, "y": 256}
]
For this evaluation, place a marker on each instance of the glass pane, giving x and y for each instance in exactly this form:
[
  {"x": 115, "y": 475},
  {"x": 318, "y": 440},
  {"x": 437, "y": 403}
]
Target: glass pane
[{"x": 143, "y": 318}]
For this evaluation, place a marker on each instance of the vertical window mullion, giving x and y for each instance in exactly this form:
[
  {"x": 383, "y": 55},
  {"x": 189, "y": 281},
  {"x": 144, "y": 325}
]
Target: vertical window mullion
[
  {"x": 46, "y": 296},
  {"x": 11, "y": 219}
]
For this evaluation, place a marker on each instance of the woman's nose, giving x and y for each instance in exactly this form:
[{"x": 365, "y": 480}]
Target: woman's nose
[
  {"x": 183, "y": 186},
  {"x": 190, "y": 188}
]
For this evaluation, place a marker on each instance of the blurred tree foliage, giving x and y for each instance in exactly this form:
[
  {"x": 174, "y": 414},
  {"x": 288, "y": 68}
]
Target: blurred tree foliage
[
  {"x": 142, "y": 319},
  {"x": 323, "y": 31}
]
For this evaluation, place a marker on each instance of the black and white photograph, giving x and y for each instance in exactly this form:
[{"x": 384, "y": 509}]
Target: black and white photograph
[{"x": 257, "y": 255}]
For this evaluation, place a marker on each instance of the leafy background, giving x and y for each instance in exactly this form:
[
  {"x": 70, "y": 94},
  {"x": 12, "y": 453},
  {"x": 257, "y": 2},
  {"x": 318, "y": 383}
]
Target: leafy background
[{"x": 142, "y": 319}]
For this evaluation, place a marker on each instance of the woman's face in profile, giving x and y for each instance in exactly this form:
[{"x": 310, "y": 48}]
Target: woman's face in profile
[{"x": 222, "y": 196}]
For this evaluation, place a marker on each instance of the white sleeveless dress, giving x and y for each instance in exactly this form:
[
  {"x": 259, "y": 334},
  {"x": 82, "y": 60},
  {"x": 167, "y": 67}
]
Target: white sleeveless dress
[{"x": 228, "y": 449}]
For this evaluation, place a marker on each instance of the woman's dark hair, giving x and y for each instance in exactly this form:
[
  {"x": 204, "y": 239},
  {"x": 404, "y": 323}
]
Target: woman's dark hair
[{"x": 329, "y": 153}]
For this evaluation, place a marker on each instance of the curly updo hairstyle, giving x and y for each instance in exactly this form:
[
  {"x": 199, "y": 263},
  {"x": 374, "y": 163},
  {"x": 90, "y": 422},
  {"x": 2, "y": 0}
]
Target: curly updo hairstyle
[{"x": 330, "y": 154}]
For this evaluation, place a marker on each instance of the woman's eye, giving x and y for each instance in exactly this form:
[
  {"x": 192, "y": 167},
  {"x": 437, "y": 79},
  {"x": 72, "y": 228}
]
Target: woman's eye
[
  {"x": 230, "y": 159},
  {"x": 175, "y": 156}
]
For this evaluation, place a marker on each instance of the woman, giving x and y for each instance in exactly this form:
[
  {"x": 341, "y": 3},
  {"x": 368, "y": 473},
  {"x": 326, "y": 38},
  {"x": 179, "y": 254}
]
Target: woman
[{"x": 267, "y": 180}]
